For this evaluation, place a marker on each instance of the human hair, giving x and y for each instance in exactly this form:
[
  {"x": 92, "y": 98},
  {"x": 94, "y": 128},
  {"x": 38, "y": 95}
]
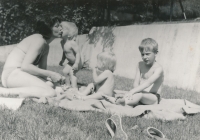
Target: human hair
[
  {"x": 148, "y": 44},
  {"x": 107, "y": 60},
  {"x": 71, "y": 28},
  {"x": 45, "y": 23}
]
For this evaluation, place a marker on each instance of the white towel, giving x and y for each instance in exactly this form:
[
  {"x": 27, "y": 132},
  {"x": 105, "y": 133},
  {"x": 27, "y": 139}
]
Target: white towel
[{"x": 11, "y": 103}]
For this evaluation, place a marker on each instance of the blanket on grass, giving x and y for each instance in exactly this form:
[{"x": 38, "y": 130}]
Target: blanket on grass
[
  {"x": 168, "y": 109},
  {"x": 11, "y": 103}
]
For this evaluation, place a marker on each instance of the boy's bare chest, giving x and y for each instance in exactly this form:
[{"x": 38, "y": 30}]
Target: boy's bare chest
[{"x": 146, "y": 74}]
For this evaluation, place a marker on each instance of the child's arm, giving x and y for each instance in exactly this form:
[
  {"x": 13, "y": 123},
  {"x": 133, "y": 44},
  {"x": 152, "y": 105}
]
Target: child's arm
[
  {"x": 103, "y": 76},
  {"x": 78, "y": 56},
  {"x": 137, "y": 77},
  {"x": 157, "y": 73}
]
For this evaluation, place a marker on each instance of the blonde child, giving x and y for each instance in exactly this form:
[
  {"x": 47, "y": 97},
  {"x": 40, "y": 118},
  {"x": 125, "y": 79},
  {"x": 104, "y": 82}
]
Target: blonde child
[
  {"x": 148, "y": 79},
  {"x": 70, "y": 52},
  {"x": 103, "y": 79}
]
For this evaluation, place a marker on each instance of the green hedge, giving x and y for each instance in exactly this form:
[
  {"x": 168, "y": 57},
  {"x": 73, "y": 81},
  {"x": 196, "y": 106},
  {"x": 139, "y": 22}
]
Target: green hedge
[{"x": 17, "y": 17}]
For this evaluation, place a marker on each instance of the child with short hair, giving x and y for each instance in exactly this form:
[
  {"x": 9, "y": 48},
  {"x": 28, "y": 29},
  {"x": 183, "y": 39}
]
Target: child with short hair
[
  {"x": 70, "y": 52},
  {"x": 148, "y": 79}
]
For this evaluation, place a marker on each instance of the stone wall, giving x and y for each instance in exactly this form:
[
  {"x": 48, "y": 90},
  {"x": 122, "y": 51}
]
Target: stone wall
[{"x": 179, "y": 51}]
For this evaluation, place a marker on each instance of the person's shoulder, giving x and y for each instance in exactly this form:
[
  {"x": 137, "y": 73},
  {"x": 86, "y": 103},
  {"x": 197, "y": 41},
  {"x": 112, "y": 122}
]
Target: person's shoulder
[
  {"x": 158, "y": 68},
  {"x": 38, "y": 38}
]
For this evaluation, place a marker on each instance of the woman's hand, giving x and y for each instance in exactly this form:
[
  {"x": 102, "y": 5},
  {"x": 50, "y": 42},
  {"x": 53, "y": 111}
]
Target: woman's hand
[{"x": 56, "y": 77}]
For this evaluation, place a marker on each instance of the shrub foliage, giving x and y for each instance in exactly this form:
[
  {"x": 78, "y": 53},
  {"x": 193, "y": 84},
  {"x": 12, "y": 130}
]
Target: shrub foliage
[{"x": 17, "y": 17}]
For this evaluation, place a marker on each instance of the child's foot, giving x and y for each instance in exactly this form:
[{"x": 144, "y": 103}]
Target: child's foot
[
  {"x": 109, "y": 99},
  {"x": 59, "y": 90}
]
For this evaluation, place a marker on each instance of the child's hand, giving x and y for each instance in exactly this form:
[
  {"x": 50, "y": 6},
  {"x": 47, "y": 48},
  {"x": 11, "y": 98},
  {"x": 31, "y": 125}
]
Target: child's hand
[
  {"x": 119, "y": 95},
  {"x": 75, "y": 67}
]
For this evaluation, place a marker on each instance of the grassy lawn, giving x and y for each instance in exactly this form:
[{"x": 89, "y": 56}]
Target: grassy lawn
[{"x": 43, "y": 122}]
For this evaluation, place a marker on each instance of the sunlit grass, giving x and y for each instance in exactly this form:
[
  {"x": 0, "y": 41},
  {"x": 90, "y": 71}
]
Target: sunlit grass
[{"x": 44, "y": 122}]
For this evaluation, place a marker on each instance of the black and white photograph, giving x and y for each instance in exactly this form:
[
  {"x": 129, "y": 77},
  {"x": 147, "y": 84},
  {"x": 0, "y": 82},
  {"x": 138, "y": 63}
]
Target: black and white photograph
[{"x": 99, "y": 70}]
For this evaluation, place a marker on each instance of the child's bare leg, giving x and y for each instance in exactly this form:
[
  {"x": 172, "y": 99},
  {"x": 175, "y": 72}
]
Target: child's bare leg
[
  {"x": 145, "y": 98},
  {"x": 66, "y": 72},
  {"x": 73, "y": 81},
  {"x": 149, "y": 99},
  {"x": 88, "y": 90}
]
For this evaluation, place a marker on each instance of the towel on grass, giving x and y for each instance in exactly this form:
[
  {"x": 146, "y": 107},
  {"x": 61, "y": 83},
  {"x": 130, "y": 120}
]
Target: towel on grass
[
  {"x": 168, "y": 109},
  {"x": 11, "y": 103}
]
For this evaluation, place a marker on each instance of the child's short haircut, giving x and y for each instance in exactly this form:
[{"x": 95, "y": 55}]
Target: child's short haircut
[
  {"x": 107, "y": 60},
  {"x": 148, "y": 44},
  {"x": 70, "y": 27}
]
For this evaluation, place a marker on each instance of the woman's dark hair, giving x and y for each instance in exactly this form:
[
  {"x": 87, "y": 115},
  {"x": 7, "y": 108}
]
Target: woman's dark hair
[{"x": 45, "y": 23}]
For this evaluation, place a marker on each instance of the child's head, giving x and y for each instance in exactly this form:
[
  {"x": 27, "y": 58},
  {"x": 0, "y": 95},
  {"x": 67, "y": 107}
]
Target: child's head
[
  {"x": 106, "y": 61},
  {"x": 148, "y": 49},
  {"x": 149, "y": 44},
  {"x": 70, "y": 30}
]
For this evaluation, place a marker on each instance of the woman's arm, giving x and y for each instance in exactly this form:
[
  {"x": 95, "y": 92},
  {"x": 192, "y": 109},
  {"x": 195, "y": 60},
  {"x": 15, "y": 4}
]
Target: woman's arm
[
  {"x": 43, "y": 60},
  {"x": 31, "y": 55},
  {"x": 137, "y": 77}
]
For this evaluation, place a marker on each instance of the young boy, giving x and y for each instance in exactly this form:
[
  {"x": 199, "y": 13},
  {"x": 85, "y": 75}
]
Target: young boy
[
  {"x": 148, "y": 79},
  {"x": 70, "y": 52}
]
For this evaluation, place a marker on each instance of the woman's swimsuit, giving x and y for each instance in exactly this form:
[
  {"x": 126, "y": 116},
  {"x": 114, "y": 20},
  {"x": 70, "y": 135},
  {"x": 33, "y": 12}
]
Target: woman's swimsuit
[{"x": 7, "y": 71}]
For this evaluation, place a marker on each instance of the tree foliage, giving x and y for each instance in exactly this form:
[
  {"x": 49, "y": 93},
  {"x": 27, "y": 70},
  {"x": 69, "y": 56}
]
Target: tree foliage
[{"x": 17, "y": 18}]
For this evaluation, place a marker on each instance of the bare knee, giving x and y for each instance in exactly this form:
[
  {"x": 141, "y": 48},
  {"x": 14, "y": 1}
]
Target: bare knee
[{"x": 133, "y": 99}]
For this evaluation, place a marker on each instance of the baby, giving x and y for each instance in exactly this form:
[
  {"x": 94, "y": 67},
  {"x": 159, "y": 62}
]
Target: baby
[{"x": 70, "y": 52}]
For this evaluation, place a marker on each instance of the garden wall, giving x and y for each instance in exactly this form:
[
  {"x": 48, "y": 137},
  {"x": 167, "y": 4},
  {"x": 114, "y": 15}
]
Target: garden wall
[{"x": 179, "y": 51}]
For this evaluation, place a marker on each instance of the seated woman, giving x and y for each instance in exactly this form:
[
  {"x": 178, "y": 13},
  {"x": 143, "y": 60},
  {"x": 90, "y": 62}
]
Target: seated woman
[{"x": 25, "y": 71}]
